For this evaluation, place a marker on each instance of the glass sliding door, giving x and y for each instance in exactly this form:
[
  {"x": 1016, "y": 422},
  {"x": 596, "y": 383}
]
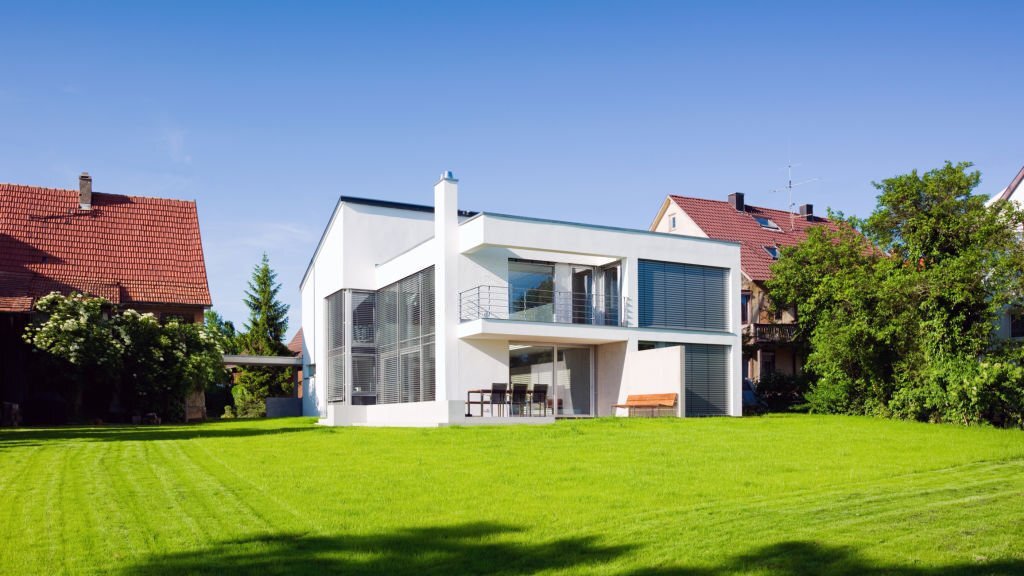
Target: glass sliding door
[
  {"x": 610, "y": 276},
  {"x": 531, "y": 287},
  {"x": 582, "y": 295},
  {"x": 564, "y": 372}
]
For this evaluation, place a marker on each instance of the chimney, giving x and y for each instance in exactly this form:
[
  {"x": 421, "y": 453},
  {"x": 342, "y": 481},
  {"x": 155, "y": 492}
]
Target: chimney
[
  {"x": 446, "y": 279},
  {"x": 85, "y": 191},
  {"x": 807, "y": 211},
  {"x": 736, "y": 199}
]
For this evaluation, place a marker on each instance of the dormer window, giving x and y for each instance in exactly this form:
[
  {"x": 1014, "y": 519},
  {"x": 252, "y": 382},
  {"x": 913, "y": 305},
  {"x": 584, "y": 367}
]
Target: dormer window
[
  {"x": 767, "y": 223},
  {"x": 772, "y": 251}
]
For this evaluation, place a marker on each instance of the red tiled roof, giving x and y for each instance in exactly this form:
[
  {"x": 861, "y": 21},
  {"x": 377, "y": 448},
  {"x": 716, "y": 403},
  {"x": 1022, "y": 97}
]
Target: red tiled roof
[
  {"x": 720, "y": 221},
  {"x": 295, "y": 346},
  {"x": 126, "y": 248}
]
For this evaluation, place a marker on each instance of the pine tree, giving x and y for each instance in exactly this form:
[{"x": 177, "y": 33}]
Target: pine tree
[
  {"x": 264, "y": 336},
  {"x": 268, "y": 317}
]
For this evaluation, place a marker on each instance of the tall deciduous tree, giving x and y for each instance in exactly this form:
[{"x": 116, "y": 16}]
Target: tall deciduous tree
[{"x": 900, "y": 317}]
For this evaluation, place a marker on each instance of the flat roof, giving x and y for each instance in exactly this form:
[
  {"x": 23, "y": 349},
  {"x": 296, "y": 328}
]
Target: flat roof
[
  {"x": 471, "y": 215},
  {"x": 397, "y": 205},
  {"x": 603, "y": 227}
]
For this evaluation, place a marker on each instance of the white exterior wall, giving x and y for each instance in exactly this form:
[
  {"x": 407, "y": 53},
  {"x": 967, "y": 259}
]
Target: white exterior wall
[
  {"x": 658, "y": 371},
  {"x": 684, "y": 224},
  {"x": 377, "y": 234},
  {"x": 369, "y": 247}
]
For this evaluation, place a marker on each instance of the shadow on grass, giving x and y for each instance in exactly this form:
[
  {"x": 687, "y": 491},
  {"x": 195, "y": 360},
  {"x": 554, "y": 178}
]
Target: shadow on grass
[
  {"x": 118, "y": 433},
  {"x": 475, "y": 548},
  {"x": 483, "y": 548},
  {"x": 801, "y": 558}
]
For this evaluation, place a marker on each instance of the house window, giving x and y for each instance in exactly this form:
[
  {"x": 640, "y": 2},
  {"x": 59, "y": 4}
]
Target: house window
[
  {"x": 672, "y": 222},
  {"x": 179, "y": 318},
  {"x": 531, "y": 287},
  {"x": 767, "y": 363},
  {"x": 745, "y": 308},
  {"x": 1017, "y": 324},
  {"x": 767, "y": 223},
  {"x": 404, "y": 318},
  {"x": 683, "y": 296},
  {"x": 334, "y": 309},
  {"x": 772, "y": 251}
]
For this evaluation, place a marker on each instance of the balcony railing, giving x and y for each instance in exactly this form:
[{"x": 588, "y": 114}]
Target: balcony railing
[
  {"x": 774, "y": 333},
  {"x": 536, "y": 305}
]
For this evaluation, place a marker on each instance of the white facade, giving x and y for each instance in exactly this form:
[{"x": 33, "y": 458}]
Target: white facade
[{"x": 566, "y": 333}]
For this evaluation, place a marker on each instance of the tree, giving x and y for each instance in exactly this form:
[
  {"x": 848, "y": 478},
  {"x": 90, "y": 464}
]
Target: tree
[
  {"x": 80, "y": 348},
  {"x": 264, "y": 336},
  {"x": 898, "y": 309},
  {"x": 222, "y": 330},
  {"x": 123, "y": 363}
]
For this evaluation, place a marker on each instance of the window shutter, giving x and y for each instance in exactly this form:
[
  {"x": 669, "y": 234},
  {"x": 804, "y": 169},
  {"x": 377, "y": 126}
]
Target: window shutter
[
  {"x": 335, "y": 304},
  {"x": 683, "y": 296},
  {"x": 707, "y": 380}
]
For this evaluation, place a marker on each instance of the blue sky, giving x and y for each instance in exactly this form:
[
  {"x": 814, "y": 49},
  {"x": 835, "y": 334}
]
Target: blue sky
[{"x": 266, "y": 112}]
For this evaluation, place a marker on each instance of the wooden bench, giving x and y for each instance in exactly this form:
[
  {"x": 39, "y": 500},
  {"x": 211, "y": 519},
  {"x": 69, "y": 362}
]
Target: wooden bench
[{"x": 652, "y": 402}]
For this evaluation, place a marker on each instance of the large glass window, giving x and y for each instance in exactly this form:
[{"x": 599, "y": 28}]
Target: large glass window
[
  {"x": 562, "y": 372},
  {"x": 335, "y": 312},
  {"x": 531, "y": 288},
  {"x": 405, "y": 340},
  {"x": 364, "y": 348}
]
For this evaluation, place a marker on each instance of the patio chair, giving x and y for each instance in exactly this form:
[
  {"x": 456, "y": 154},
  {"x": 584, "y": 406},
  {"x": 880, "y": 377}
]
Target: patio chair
[
  {"x": 539, "y": 396},
  {"x": 520, "y": 399},
  {"x": 499, "y": 397}
]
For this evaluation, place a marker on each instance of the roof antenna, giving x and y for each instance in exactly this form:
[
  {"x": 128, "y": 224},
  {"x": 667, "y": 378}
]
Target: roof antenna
[{"x": 789, "y": 188}]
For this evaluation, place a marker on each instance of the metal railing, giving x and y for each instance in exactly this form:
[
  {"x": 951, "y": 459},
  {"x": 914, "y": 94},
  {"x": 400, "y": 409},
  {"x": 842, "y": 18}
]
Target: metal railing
[
  {"x": 774, "y": 332},
  {"x": 537, "y": 305}
]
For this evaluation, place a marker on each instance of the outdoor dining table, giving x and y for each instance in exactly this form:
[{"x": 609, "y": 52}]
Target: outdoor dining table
[{"x": 469, "y": 401}]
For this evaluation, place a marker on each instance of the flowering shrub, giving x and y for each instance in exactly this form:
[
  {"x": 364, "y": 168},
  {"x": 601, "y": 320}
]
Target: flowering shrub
[{"x": 126, "y": 362}]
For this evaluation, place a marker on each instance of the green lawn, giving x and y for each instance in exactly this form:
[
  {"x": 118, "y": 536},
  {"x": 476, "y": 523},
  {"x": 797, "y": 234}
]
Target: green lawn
[{"x": 771, "y": 495}]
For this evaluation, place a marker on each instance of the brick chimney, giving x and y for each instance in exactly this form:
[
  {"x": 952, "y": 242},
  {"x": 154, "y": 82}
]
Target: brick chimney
[
  {"x": 736, "y": 199},
  {"x": 85, "y": 191},
  {"x": 807, "y": 211}
]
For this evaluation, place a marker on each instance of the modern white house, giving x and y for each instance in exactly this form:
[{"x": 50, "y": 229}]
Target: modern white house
[{"x": 428, "y": 316}]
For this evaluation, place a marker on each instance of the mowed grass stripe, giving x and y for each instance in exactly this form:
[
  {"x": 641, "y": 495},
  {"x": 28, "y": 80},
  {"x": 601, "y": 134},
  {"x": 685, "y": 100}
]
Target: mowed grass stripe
[
  {"x": 288, "y": 497},
  {"x": 219, "y": 504}
]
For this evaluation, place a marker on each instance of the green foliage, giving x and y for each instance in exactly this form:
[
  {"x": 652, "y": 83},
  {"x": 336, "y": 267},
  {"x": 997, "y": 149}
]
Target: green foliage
[
  {"x": 126, "y": 362},
  {"x": 223, "y": 331},
  {"x": 264, "y": 336},
  {"x": 899, "y": 308},
  {"x": 268, "y": 317},
  {"x": 782, "y": 392}
]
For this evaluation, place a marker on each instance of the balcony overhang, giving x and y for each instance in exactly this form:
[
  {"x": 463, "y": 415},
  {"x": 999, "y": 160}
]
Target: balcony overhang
[{"x": 555, "y": 333}]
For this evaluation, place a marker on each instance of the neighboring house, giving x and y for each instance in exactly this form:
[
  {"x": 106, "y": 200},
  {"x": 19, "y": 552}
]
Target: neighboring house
[
  {"x": 1011, "y": 324},
  {"x": 408, "y": 311},
  {"x": 768, "y": 334},
  {"x": 141, "y": 253}
]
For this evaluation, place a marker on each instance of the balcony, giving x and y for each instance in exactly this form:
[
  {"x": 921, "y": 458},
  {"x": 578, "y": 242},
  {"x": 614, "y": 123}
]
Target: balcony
[
  {"x": 538, "y": 305},
  {"x": 773, "y": 333}
]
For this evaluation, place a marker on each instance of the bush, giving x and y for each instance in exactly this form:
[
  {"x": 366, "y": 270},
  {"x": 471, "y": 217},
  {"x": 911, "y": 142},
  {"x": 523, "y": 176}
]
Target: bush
[
  {"x": 967, "y": 391},
  {"x": 123, "y": 363},
  {"x": 782, "y": 392}
]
